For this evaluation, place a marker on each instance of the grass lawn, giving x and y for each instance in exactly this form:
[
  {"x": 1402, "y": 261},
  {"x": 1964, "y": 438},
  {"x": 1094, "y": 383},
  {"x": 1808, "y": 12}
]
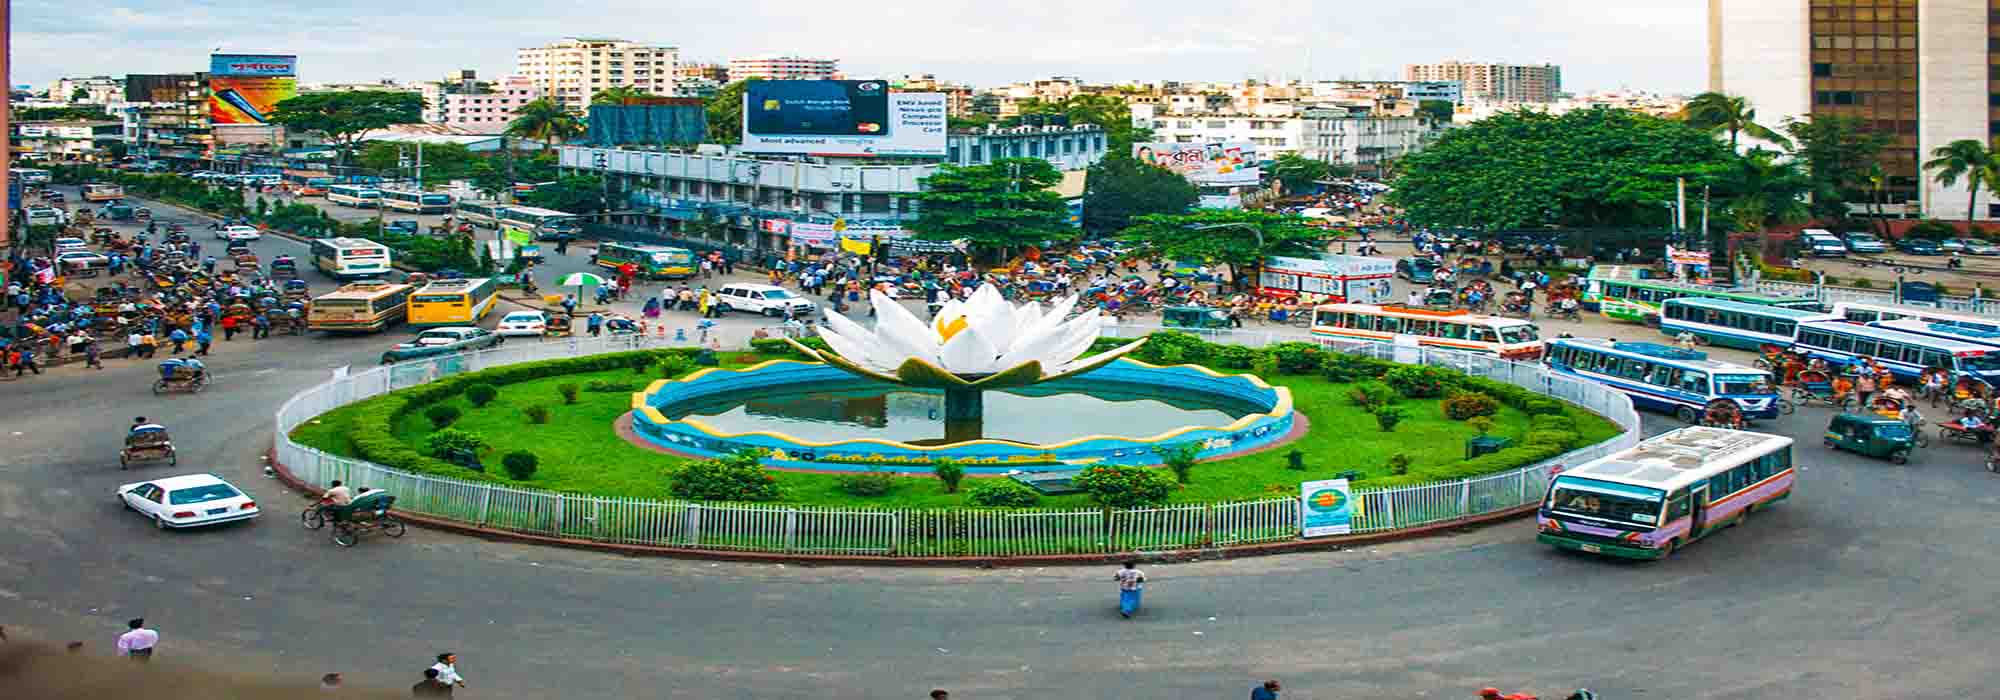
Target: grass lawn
[{"x": 581, "y": 453}]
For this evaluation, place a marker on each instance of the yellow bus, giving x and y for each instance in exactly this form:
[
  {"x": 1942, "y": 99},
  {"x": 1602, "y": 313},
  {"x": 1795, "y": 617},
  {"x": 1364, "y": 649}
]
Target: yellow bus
[
  {"x": 459, "y": 302},
  {"x": 364, "y": 307}
]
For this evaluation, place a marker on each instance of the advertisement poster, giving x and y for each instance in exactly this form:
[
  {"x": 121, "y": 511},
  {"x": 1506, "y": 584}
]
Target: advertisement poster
[
  {"x": 1326, "y": 508},
  {"x": 246, "y": 88},
  {"x": 1215, "y": 163},
  {"x": 841, "y": 118}
]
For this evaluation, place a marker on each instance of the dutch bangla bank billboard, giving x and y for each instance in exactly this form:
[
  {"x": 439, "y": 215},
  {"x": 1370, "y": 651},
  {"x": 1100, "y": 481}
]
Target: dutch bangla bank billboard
[
  {"x": 841, "y": 118},
  {"x": 246, "y": 88}
]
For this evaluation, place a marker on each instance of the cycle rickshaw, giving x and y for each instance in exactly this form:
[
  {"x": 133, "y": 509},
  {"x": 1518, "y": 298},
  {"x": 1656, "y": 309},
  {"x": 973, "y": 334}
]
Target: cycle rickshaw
[
  {"x": 368, "y": 513},
  {"x": 147, "y": 444}
]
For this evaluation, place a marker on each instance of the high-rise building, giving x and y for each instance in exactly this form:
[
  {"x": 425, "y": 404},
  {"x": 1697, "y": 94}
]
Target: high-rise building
[
  {"x": 773, "y": 67},
  {"x": 1494, "y": 82},
  {"x": 572, "y": 70},
  {"x": 1915, "y": 70},
  {"x": 479, "y": 106}
]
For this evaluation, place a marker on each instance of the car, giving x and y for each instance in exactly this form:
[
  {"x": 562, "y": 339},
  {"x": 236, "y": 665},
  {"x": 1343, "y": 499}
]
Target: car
[
  {"x": 522, "y": 323},
  {"x": 409, "y": 226},
  {"x": 1860, "y": 242},
  {"x": 765, "y": 299},
  {"x": 1821, "y": 243},
  {"x": 239, "y": 232},
  {"x": 46, "y": 216},
  {"x": 1954, "y": 245},
  {"x": 1919, "y": 246},
  {"x": 82, "y": 260},
  {"x": 1422, "y": 270},
  {"x": 1977, "y": 247},
  {"x": 68, "y": 244},
  {"x": 441, "y": 341},
  {"x": 190, "y": 500}
]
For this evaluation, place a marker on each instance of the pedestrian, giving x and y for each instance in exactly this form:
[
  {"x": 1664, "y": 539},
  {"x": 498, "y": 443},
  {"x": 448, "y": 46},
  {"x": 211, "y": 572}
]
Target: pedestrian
[
  {"x": 569, "y": 305},
  {"x": 149, "y": 344},
  {"x": 430, "y": 686},
  {"x": 329, "y": 681},
  {"x": 260, "y": 327},
  {"x": 1267, "y": 691},
  {"x": 1864, "y": 383},
  {"x": 447, "y": 668},
  {"x": 90, "y": 358},
  {"x": 229, "y": 328},
  {"x": 1131, "y": 582},
  {"x": 707, "y": 268},
  {"x": 180, "y": 339},
  {"x": 595, "y": 324},
  {"x": 24, "y": 361},
  {"x": 202, "y": 340},
  {"x": 137, "y": 641}
]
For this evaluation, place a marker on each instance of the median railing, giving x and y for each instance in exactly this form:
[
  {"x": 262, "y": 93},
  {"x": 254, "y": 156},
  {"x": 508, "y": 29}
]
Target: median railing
[{"x": 810, "y": 530}]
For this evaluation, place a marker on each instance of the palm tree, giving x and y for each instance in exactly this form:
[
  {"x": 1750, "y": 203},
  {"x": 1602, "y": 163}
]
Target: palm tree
[
  {"x": 620, "y": 95},
  {"x": 1715, "y": 111},
  {"x": 1876, "y": 178},
  {"x": 1764, "y": 188},
  {"x": 1964, "y": 158},
  {"x": 543, "y": 120}
]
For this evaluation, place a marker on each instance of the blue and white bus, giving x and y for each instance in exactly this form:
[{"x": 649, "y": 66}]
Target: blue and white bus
[
  {"x": 1976, "y": 335},
  {"x": 1905, "y": 354},
  {"x": 1863, "y": 312},
  {"x": 1734, "y": 324},
  {"x": 1668, "y": 379}
]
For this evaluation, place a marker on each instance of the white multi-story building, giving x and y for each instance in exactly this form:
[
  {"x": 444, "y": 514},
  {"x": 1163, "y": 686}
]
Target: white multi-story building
[
  {"x": 775, "y": 67},
  {"x": 1275, "y": 129},
  {"x": 95, "y": 90},
  {"x": 478, "y": 106},
  {"x": 572, "y": 70},
  {"x": 1354, "y": 137}
]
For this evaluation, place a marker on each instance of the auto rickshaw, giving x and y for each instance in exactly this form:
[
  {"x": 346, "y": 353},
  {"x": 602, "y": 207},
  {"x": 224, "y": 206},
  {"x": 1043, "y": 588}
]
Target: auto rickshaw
[
  {"x": 284, "y": 268},
  {"x": 1194, "y": 317},
  {"x": 557, "y": 325},
  {"x": 1872, "y": 435}
]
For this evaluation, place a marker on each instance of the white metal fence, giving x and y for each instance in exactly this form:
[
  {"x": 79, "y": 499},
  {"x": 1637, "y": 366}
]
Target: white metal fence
[{"x": 917, "y": 533}]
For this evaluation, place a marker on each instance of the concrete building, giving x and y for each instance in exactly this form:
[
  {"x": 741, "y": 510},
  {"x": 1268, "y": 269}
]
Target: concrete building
[
  {"x": 1074, "y": 147},
  {"x": 572, "y": 70},
  {"x": 66, "y": 141},
  {"x": 718, "y": 72},
  {"x": 1498, "y": 82},
  {"x": 1274, "y": 130},
  {"x": 1916, "y": 70},
  {"x": 776, "y": 67},
  {"x": 477, "y": 106},
  {"x": 383, "y": 85},
  {"x": 1356, "y": 137},
  {"x": 166, "y": 117},
  {"x": 958, "y": 98},
  {"x": 95, "y": 90}
]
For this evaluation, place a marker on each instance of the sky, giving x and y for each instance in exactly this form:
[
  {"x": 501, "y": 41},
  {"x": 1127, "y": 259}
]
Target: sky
[{"x": 1655, "y": 45}]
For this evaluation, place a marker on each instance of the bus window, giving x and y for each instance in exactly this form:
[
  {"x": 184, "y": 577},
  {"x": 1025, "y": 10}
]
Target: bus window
[
  {"x": 1614, "y": 291},
  {"x": 1453, "y": 331},
  {"x": 1843, "y": 343},
  {"x": 1784, "y": 328},
  {"x": 1355, "y": 321},
  {"x": 1663, "y": 375},
  {"x": 1677, "y": 505},
  {"x": 1519, "y": 334},
  {"x": 1866, "y": 347},
  {"x": 1421, "y": 327},
  {"x": 1634, "y": 369},
  {"x": 1484, "y": 335},
  {"x": 1388, "y": 324},
  {"x": 1694, "y": 383}
]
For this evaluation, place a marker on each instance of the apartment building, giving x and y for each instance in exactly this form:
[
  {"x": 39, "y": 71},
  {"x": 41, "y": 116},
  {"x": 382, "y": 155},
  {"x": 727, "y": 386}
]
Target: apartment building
[
  {"x": 958, "y": 98},
  {"x": 166, "y": 116},
  {"x": 1927, "y": 73},
  {"x": 478, "y": 106},
  {"x": 66, "y": 141},
  {"x": 1498, "y": 82},
  {"x": 95, "y": 90},
  {"x": 1275, "y": 129},
  {"x": 1068, "y": 147},
  {"x": 570, "y": 71},
  {"x": 777, "y": 67},
  {"x": 1355, "y": 135}
]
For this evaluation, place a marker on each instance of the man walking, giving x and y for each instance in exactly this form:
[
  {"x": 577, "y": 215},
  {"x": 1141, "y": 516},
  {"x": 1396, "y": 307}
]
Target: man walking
[
  {"x": 138, "y": 642},
  {"x": 1267, "y": 691},
  {"x": 1131, "y": 581},
  {"x": 447, "y": 671},
  {"x": 430, "y": 686}
]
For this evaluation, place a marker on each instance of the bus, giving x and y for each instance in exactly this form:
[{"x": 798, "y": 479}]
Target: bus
[
  {"x": 540, "y": 221},
  {"x": 364, "y": 307},
  {"x": 1593, "y": 289},
  {"x": 1508, "y": 338},
  {"x": 653, "y": 261},
  {"x": 1665, "y": 492},
  {"x": 1639, "y": 301},
  {"x": 1734, "y": 324},
  {"x": 29, "y": 176},
  {"x": 1906, "y": 355},
  {"x": 1862, "y": 312},
  {"x": 102, "y": 193},
  {"x": 454, "y": 302},
  {"x": 350, "y": 258},
  {"x": 416, "y": 202},
  {"x": 1667, "y": 379},
  {"x": 1948, "y": 331},
  {"x": 309, "y": 183},
  {"x": 361, "y": 196},
  {"x": 478, "y": 212}
]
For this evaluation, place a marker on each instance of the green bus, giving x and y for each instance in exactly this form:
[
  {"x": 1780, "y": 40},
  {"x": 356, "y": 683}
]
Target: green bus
[
  {"x": 653, "y": 261},
  {"x": 1593, "y": 287},
  {"x": 1639, "y": 301}
]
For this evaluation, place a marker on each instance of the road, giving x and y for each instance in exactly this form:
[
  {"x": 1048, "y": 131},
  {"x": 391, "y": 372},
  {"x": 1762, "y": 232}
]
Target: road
[{"x": 1873, "y": 581}]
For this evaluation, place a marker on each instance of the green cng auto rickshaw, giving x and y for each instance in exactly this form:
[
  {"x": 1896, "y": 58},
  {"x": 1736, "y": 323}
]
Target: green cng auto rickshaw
[
  {"x": 1194, "y": 317},
  {"x": 1872, "y": 435}
]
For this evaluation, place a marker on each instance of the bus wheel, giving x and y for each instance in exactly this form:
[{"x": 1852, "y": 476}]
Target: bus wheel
[
  {"x": 1667, "y": 550},
  {"x": 1687, "y": 414}
]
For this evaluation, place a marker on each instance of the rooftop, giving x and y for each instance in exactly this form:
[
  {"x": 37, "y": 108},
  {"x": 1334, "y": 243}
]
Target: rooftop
[{"x": 1676, "y": 459}]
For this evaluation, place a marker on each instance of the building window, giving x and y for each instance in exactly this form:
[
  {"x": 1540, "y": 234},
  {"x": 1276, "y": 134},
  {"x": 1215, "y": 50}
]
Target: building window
[
  {"x": 1034, "y": 149},
  {"x": 1822, "y": 70},
  {"x": 976, "y": 157}
]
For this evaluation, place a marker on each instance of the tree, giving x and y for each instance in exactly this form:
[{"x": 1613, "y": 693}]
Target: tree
[
  {"x": 1716, "y": 112},
  {"x": 1964, "y": 158},
  {"x": 623, "y": 94},
  {"x": 79, "y": 95},
  {"x": 1876, "y": 178},
  {"x": 1597, "y": 167},
  {"x": 1299, "y": 172},
  {"x": 575, "y": 194},
  {"x": 725, "y": 113},
  {"x": 344, "y": 116},
  {"x": 1237, "y": 238},
  {"x": 1837, "y": 152},
  {"x": 997, "y": 206},
  {"x": 1761, "y": 189},
  {"x": 1108, "y": 111},
  {"x": 489, "y": 177},
  {"x": 442, "y": 161},
  {"x": 1119, "y": 188},
  {"x": 1436, "y": 111},
  {"x": 58, "y": 114},
  {"x": 544, "y": 121}
]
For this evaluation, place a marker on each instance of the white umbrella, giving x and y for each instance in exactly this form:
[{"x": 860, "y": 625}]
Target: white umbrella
[{"x": 578, "y": 280}]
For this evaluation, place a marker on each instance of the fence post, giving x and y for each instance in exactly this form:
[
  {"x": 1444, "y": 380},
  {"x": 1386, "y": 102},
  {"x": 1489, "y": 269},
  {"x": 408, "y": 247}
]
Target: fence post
[
  {"x": 1208, "y": 526},
  {"x": 791, "y": 529},
  {"x": 558, "y": 524},
  {"x": 693, "y": 525},
  {"x": 1464, "y": 497},
  {"x": 1523, "y": 474},
  {"x": 485, "y": 502},
  {"x": 1388, "y": 512}
]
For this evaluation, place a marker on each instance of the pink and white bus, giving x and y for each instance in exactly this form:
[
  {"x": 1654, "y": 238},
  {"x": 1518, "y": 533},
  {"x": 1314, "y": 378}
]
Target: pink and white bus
[{"x": 1666, "y": 492}]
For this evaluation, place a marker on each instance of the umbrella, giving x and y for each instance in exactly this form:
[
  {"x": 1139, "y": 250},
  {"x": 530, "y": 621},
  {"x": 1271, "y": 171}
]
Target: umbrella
[{"x": 578, "y": 280}]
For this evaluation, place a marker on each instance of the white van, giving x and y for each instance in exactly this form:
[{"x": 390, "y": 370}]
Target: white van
[
  {"x": 764, "y": 299},
  {"x": 1821, "y": 243}
]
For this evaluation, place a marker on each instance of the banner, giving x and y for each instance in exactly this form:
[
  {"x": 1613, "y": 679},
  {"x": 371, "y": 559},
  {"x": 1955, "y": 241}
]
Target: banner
[
  {"x": 841, "y": 118},
  {"x": 1215, "y": 163},
  {"x": 247, "y": 100},
  {"x": 253, "y": 65},
  {"x": 778, "y": 226},
  {"x": 519, "y": 236},
  {"x": 1326, "y": 508},
  {"x": 860, "y": 247}
]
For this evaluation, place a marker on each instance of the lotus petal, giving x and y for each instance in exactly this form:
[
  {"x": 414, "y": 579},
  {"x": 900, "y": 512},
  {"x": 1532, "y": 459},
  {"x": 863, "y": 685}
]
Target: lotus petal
[
  {"x": 1012, "y": 377},
  {"x": 1026, "y": 319},
  {"x": 1041, "y": 348},
  {"x": 900, "y": 335},
  {"x": 860, "y": 346},
  {"x": 843, "y": 363},
  {"x": 855, "y": 351},
  {"x": 970, "y": 352},
  {"x": 1055, "y": 314},
  {"x": 1094, "y": 361},
  {"x": 952, "y": 310}
]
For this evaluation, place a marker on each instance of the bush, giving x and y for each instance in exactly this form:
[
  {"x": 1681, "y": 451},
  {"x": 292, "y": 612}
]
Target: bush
[
  {"x": 537, "y": 414},
  {"x": 1296, "y": 357},
  {"x": 1863, "y": 284},
  {"x": 873, "y": 482},
  {"x": 1002, "y": 493},
  {"x": 520, "y": 464},
  {"x": 737, "y": 477},
  {"x": 1295, "y": 460},
  {"x": 1173, "y": 347},
  {"x": 1233, "y": 356},
  {"x": 1371, "y": 396},
  {"x": 1399, "y": 464},
  {"x": 1180, "y": 458},
  {"x": 441, "y": 414},
  {"x": 672, "y": 367},
  {"x": 568, "y": 391},
  {"x": 950, "y": 472},
  {"x": 481, "y": 394},
  {"x": 1342, "y": 367},
  {"x": 1387, "y": 418},
  {"x": 1480, "y": 424},
  {"x": 1265, "y": 365},
  {"x": 1541, "y": 406},
  {"x": 1830, "y": 280},
  {"x": 1932, "y": 229},
  {"x": 1468, "y": 404},
  {"x": 450, "y": 439},
  {"x": 607, "y": 386},
  {"x": 1114, "y": 486},
  {"x": 1420, "y": 382}
]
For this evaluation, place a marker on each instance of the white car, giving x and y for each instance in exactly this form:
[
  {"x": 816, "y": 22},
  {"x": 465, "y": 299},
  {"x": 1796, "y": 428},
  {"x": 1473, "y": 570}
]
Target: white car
[
  {"x": 522, "y": 323},
  {"x": 192, "y": 500},
  {"x": 81, "y": 260},
  {"x": 71, "y": 245},
  {"x": 239, "y": 233},
  {"x": 763, "y": 299}
]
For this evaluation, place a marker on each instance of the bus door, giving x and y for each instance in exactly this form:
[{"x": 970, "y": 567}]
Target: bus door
[{"x": 1699, "y": 496}]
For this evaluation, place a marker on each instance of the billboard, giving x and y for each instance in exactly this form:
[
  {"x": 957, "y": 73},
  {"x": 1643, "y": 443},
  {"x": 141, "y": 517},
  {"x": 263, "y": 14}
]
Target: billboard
[
  {"x": 616, "y": 125},
  {"x": 1216, "y": 163},
  {"x": 246, "y": 88},
  {"x": 253, "y": 65},
  {"x": 841, "y": 118}
]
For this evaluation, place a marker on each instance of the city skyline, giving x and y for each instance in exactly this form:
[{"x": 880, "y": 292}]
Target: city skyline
[{"x": 1656, "y": 45}]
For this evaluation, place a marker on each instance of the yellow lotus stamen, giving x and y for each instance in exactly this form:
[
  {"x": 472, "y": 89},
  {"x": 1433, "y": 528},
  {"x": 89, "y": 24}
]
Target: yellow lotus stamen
[{"x": 946, "y": 331}]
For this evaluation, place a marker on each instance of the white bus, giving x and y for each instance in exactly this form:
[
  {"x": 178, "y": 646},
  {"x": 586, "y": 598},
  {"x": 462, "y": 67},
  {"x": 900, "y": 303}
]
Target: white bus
[
  {"x": 416, "y": 202},
  {"x": 1512, "y": 339},
  {"x": 1666, "y": 492},
  {"x": 29, "y": 176},
  {"x": 540, "y": 221},
  {"x": 360, "y": 196},
  {"x": 103, "y": 192},
  {"x": 350, "y": 258},
  {"x": 479, "y": 212},
  {"x": 1905, "y": 354},
  {"x": 1861, "y": 312}
]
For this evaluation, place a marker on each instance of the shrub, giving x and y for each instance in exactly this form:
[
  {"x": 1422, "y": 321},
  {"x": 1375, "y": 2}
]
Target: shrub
[
  {"x": 1296, "y": 357},
  {"x": 1370, "y": 396},
  {"x": 1540, "y": 406},
  {"x": 1830, "y": 280},
  {"x": 1169, "y": 347},
  {"x": 1002, "y": 493},
  {"x": 736, "y": 477},
  {"x": 568, "y": 391},
  {"x": 1265, "y": 365},
  {"x": 1420, "y": 382},
  {"x": 950, "y": 472},
  {"x": 1233, "y": 356},
  {"x": 1180, "y": 458},
  {"x": 1932, "y": 229},
  {"x": 672, "y": 366},
  {"x": 1387, "y": 418},
  {"x": 1399, "y": 464},
  {"x": 1468, "y": 404},
  {"x": 873, "y": 482},
  {"x": 1863, "y": 284},
  {"x": 1480, "y": 424},
  {"x": 606, "y": 386},
  {"x": 481, "y": 394},
  {"x": 537, "y": 413},
  {"x": 1342, "y": 367},
  {"x": 1114, "y": 486},
  {"x": 1295, "y": 461},
  {"x": 441, "y": 414},
  {"x": 1551, "y": 422},
  {"x": 450, "y": 439},
  {"x": 520, "y": 464}
]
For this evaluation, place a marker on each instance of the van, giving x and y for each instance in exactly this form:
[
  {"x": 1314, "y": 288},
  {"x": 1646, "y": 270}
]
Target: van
[
  {"x": 46, "y": 216},
  {"x": 1821, "y": 243},
  {"x": 1420, "y": 270},
  {"x": 764, "y": 299}
]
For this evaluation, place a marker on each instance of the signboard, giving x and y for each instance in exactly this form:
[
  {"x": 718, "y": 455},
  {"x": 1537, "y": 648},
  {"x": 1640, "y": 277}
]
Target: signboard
[
  {"x": 1325, "y": 508},
  {"x": 1216, "y": 163},
  {"x": 777, "y": 226},
  {"x": 1328, "y": 278},
  {"x": 841, "y": 118},
  {"x": 253, "y": 65},
  {"x": 246, "y": 88}
]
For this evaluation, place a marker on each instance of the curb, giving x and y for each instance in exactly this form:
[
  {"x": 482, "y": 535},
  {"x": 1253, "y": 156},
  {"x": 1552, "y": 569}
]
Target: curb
[{"x": 637, "y": 550}]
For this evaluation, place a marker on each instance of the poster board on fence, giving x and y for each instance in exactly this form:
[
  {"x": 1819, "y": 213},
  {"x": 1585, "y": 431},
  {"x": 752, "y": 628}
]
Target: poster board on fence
[{"x": 1326, "y": 507}]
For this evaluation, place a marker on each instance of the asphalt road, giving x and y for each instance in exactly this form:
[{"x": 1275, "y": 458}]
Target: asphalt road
[{"x": 1873, "y": 581}]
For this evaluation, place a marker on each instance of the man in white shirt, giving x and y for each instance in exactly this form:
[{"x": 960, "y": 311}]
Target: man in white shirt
[
  {"x": 137, "y": 642},
  {"x": 447, "y": 668},
  {"x": 338, "y": 494}
]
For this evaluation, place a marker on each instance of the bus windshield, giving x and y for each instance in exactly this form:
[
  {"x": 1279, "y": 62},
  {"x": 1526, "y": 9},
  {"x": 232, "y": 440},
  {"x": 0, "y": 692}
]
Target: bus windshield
[
  {"x": 1743, "y": 384},
  {"x": 1979, "y": 363},
  {"x": 1630, "y": 505}
]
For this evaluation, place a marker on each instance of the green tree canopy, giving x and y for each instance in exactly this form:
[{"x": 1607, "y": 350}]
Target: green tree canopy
[
  {"x": 1718, "y": 112},
  {"x": 997, "y": 206},
  {"x": 344, "y": 116},
  {"x": 1596, "y": 167},
  {"x": 1762, "y": 189},
  {"x": 59, "y": 114},
  {"x": 1436, "y": 111},
  {"x": 574, "y": 194},
  {"x": 1836, "y": 152},
  {"x": 1299, "y": 172},
  {"x": 1108, "y": 111},
  {"x": 1238, "y": 238},
  {"x": 1119, "y": 188},
  {"x": 545, "y": 121},
  {"x": 442, "y": 161},
  {"x": 725, "y": 113},
  {"x": 619, "y": 95}
]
